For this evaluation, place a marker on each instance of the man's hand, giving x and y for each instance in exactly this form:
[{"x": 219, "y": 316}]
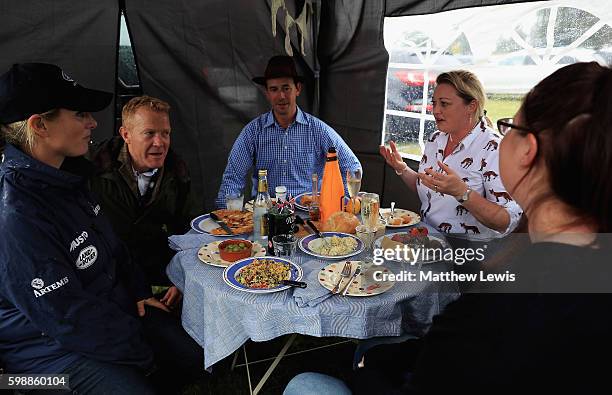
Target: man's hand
[
  {"x": 150, "y": 302},
  {"x": 172, "y": 297}
]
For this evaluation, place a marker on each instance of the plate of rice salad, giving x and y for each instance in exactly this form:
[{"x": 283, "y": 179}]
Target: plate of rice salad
[
  {"x": 261, "y": 274},
  {"x": 336, "y": 246}
]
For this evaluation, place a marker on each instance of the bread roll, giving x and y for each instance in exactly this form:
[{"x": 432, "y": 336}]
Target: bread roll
[{"x": 341, "y": 222}]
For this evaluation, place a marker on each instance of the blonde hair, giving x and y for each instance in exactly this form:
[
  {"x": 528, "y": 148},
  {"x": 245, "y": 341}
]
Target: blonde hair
[
  {"x": 22, "y": 135},
  {"x": 468, "y": 87},
  {"x": 152, "y": 103}
]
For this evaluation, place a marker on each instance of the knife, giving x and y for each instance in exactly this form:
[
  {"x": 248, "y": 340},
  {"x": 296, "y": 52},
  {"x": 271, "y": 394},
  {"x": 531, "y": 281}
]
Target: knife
[
  {"x": 298, "y": 284},
  {"x": 346, "y": 288},
  {"x": 219, "y": 221},
  {"x": 319, "y": 235}
]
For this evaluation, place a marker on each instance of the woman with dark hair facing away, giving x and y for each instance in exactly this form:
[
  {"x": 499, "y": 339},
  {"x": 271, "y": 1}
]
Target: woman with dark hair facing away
[{"x": 548, "y": 330}]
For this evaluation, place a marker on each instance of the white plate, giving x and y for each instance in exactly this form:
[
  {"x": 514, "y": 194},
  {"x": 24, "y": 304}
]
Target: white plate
[
  {"x": 386, "y": 213},
  {"x": 378, "y": 244},
  {"x": 306, "y": 246},
  {"x": 209, "y": 253},
  {"x": 230, "y": 273},
  {"x": 203, "y": 224},
  {"x": 362, "y": 285}
]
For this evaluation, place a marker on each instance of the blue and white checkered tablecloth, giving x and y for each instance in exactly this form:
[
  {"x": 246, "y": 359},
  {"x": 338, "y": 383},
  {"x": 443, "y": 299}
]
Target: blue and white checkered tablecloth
[{"x": 221, "y": 318}]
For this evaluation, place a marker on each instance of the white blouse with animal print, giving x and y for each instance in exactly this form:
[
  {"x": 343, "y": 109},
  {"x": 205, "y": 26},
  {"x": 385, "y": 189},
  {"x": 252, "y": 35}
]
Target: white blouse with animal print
[{"x": 476, "y": 161}]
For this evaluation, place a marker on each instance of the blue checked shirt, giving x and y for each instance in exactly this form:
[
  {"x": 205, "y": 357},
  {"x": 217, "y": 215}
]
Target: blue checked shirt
[{"x": 290, "y": 155}]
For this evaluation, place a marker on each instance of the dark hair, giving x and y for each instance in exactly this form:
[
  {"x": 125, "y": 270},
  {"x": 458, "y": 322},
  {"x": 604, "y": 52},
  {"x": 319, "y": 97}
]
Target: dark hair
[{"x": 570, "y": 113}]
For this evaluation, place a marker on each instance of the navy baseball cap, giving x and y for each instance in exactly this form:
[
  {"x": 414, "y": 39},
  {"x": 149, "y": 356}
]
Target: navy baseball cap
[{"x": 35, "y": 88}]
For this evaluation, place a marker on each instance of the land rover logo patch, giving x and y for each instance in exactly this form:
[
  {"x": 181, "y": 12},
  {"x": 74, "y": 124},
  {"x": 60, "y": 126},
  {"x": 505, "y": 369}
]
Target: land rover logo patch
[{"x": 87, "y": 257}]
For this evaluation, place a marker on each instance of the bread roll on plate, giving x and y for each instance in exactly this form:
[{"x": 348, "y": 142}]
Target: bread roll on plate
[{"x": 341, "y": 222}]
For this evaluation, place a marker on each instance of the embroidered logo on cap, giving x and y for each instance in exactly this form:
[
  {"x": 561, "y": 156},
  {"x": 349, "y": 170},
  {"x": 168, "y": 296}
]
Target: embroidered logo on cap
[{"x": 68, "y": 78}]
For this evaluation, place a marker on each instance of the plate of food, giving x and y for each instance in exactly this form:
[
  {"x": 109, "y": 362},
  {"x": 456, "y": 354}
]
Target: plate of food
[
  {"x": 303, "y": 200},
  {"x": 211, "y": 255},
  {"x": 261, "y": 274},
  {"x": 416, "y": 246},
  {"x": 400, "y": 218},
  {"x": 362, "y": 285},
  {"x": 240, "y": 222},
  {"x": 332, "y": 245}
]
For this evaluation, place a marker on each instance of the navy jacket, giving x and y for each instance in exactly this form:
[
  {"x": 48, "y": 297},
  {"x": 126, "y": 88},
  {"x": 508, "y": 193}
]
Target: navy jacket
[{"x": 67, "y": 285}]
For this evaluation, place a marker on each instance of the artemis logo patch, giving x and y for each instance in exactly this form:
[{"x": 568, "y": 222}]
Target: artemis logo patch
[
  {"x": 38, "y": 284},
  {"x": 87, "y": 257}
]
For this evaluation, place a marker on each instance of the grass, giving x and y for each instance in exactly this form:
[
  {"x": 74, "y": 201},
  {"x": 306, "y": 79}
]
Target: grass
[
  {"x": 335, "y": 361},
  {"x": 502, "y": 106}
]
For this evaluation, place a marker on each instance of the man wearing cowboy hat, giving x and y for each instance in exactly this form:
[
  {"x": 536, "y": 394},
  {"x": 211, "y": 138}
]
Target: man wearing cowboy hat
[{"x": 286, "y": 141}]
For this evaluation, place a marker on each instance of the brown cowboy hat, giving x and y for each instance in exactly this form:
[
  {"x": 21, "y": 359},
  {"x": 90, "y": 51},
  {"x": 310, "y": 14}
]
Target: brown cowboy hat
[{"x": 278, "y": 67}]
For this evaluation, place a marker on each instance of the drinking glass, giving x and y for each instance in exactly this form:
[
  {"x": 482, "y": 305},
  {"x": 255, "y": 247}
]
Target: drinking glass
[
  {"x": 368, "y": 237},
  {"x": 284, "y": 245},
  {"x": 370, "y": 206},
  {"x": 233, "y": 201},
  {"x": 353, "y": 184}
]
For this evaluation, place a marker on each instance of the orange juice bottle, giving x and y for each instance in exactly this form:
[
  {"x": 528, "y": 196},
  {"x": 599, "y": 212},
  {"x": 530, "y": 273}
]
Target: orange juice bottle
[{"x": 332, "y": 187}]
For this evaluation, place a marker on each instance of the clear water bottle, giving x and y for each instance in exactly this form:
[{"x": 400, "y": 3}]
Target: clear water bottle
[{"x": 260, "y": 208}]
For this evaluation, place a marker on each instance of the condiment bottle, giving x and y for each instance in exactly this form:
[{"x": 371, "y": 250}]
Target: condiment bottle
[
  {"x": 261, "y": 205},
  {"x": 314, "y": 208}
]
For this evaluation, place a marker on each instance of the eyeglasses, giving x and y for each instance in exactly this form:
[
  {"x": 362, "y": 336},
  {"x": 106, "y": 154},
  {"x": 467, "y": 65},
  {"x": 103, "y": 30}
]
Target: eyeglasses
[{"x": 504, "y": 127}]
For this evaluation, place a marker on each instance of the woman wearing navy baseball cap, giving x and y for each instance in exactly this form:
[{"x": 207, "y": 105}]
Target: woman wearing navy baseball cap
[{"x": 71, "y": 300}]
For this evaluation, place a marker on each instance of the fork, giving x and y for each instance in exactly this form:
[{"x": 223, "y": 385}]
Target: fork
[{"x": 346, "y": 272}]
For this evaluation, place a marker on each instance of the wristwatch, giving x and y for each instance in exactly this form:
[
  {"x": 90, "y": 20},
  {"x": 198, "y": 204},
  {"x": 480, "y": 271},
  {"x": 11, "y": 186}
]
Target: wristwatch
[{"x": 464, "y": 197}]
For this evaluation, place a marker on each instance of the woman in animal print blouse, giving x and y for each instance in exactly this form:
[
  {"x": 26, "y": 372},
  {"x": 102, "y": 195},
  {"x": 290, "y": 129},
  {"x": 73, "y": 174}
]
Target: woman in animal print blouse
[{"x": 458, "y": 179}]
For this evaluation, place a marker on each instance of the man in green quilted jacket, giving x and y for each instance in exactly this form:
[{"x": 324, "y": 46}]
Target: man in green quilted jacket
[{"x": 144, "y": 188}]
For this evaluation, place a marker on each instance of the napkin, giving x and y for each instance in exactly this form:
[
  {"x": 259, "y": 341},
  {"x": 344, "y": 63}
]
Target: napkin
[
  {"x": 312, "y": 295},
  {"x": 187, "y": 242}
]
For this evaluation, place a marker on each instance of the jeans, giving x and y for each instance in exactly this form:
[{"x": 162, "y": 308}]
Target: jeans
[
  {"x": 90, "y": 377},
  {"x": 316, "y": 384},
  {"x": 179, "y": 360}
]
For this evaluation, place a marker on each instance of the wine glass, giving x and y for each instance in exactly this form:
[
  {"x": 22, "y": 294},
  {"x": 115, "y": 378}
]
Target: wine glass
[
  {"x": 370, "y": 206},
  {"x": 353, "y": 182}
]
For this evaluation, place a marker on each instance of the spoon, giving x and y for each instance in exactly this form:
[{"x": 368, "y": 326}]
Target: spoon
[
  {"x": 291, "y": 283},
  {"x": 392, "y": 208}
]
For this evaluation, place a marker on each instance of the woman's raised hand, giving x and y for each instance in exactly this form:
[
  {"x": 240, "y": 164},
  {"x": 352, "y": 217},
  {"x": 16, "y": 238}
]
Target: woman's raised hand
[{"x": 393, "y": 157}]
